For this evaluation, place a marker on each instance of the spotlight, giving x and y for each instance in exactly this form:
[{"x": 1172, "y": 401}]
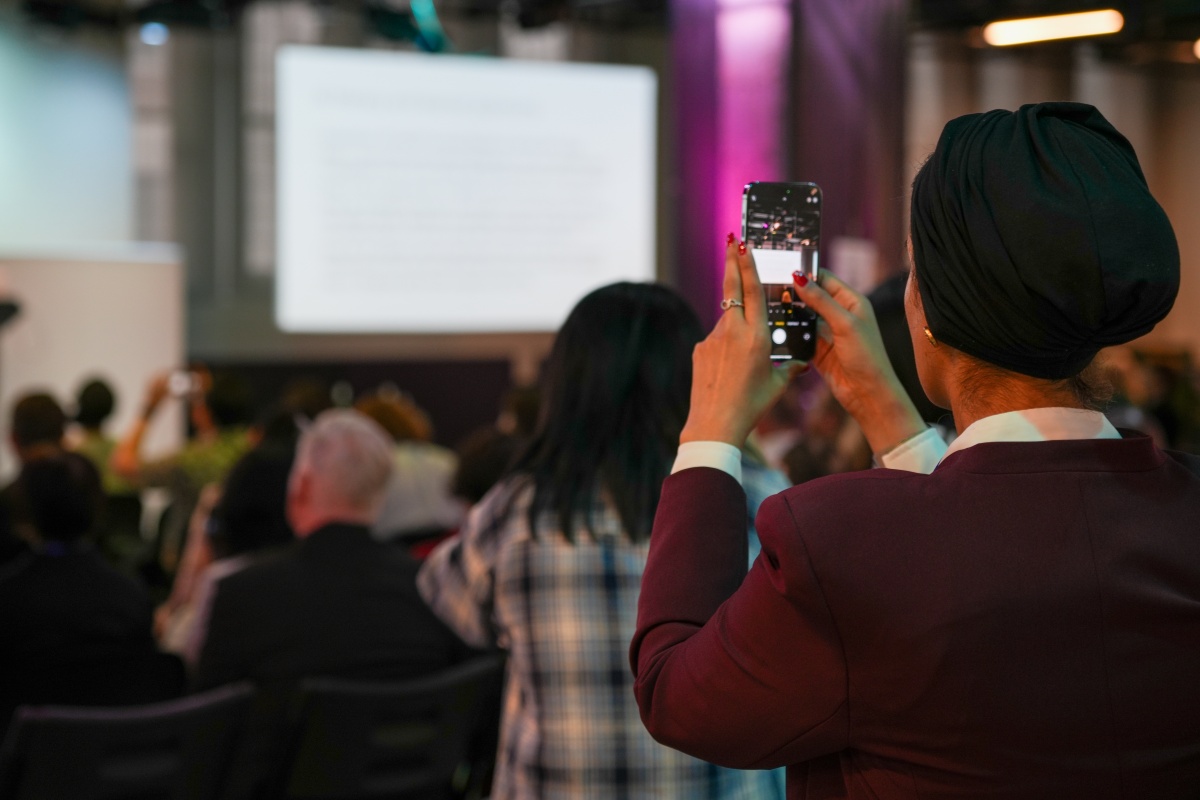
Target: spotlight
[
  {"x": 1196, "y": 48},
  {"x": 1009, "y": 32},
  {"x": 154, "y": 34}
]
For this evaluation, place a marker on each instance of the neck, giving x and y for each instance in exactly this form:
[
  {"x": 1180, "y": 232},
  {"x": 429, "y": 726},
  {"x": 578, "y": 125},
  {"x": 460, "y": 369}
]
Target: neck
[
  {"x": 315, "y": 522},
  {"x": 978, "y": 395}
]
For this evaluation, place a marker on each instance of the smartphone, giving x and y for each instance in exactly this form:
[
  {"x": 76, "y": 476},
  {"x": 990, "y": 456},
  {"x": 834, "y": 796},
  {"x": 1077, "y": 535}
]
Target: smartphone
[
  {"x": 781, "y": 224},
  {"x": 182, "y": 383}
]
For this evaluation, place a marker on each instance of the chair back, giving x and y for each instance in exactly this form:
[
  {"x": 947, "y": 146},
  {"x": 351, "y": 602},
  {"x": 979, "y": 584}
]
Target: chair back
[
  {"x": 388, "y": 740},
  {"x": 176, "y": 750},
  {"x": 119, "y": 678}
]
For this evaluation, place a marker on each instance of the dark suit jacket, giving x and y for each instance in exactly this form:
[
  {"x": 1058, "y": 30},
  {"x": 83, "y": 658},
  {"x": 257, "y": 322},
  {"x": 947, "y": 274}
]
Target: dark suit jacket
[
  {"x": 75, "y": 631},
  {"x": 337, "y": 604},
  {"x": 1022, "y": 623}
]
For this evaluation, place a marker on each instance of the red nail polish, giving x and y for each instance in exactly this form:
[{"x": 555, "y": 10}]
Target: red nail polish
[
  {"x": 730, "y": 239},
  {"x": 742, "y": 248},
  {"x": 800, "y": 278}
]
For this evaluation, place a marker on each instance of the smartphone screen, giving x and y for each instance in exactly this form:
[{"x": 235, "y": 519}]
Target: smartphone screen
[{"x": 781, "y": 224}]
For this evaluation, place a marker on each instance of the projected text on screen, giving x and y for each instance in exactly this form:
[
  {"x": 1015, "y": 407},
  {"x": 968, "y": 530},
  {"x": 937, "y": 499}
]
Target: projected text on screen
[{"x": 457, "y": 194}]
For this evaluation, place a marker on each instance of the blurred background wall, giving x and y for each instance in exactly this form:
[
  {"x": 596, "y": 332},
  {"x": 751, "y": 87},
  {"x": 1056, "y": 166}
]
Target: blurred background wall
[{"x": 108, "y": 134}]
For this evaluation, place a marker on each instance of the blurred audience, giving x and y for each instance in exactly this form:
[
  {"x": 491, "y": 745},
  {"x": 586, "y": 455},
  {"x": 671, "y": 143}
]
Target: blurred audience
[
  {"x": 247, "y": 523},
  {"x": 72, "y": 629},
  {"x": 36, "y": 431},
  {"x": 338, "y": 603},
  {"x": 119, "y": 530},
  {"x": 419, "y": 504},
  {"x": 94, "y": 404},
  {"x": 221, "y": 410},
  {"x": 486, "y": 454}
]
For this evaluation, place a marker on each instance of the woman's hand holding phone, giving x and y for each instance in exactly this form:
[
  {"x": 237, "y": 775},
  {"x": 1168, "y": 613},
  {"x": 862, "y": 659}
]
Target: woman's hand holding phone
[
  {"x": 851, "y": 358},
  {"x": 733, "y": 379}
]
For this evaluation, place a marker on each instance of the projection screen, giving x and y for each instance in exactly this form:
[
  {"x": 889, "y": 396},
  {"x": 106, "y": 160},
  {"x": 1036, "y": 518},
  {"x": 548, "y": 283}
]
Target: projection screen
[{"x": 442, "y": 194}]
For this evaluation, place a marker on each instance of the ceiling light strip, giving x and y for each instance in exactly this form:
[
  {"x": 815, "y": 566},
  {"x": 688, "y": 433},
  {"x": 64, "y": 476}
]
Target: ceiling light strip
[{"x": 1009, "y": 32}]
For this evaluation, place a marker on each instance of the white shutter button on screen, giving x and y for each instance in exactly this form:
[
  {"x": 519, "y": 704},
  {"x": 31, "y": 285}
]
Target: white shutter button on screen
[{"x": 779, "y": 336}]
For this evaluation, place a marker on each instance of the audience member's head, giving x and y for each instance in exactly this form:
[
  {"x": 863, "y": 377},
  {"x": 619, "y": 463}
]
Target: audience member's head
[
  {"x": 38, "y": 423},
  {"x": 615, "y": 394},
  {"x": 62, "y": 494},
  {"x": 519, "y": 416},
  {"x": 483, "y": 458},
  {"x": 252, "y": 512},
  {"x": 398, "y": 415},
  {"x": 306, "y": 397},
  {"x": 94, "y": 404},
  {"x": 343, "y": 464},
  {"x": 230, "y": 401}
]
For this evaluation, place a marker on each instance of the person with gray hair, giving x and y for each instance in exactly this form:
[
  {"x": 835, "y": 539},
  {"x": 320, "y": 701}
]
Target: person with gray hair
[{"x": 338, "y": 603}]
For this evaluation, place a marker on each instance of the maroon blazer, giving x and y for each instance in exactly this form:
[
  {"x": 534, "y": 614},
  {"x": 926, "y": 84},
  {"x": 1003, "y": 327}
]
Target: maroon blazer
[{"x": 1022, "y": 623}]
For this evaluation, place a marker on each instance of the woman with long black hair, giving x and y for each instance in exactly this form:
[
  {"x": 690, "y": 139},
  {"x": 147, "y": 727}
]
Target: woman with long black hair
[{"x": 549, "y": 564}]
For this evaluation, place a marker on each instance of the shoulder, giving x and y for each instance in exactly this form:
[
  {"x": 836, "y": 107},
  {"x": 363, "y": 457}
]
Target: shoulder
[
  {"x": 831, "y": 506},
  {"x": 259, "y": 574},
  {"x": 1188, "y": 461},
  {"x": 502, "y": 513}
]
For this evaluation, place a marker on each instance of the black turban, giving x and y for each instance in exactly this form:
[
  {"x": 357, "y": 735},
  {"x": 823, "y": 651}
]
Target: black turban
[{"x": 1036, "y": 241}]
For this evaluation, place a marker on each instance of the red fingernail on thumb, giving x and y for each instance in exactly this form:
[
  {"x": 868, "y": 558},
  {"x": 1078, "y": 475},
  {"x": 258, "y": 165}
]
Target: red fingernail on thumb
[
  {"x": 729, "y": 239},
  {"x": 742, "y": 248},
  {"x": 800, "y": 278}
]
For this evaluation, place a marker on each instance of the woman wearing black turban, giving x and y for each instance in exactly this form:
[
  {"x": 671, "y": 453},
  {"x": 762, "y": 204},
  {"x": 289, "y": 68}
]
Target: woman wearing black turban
[{"x": 1017, "y": 616}]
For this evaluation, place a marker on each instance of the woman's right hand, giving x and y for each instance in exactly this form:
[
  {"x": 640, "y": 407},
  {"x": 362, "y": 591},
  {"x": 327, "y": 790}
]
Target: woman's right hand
[{"x": 851, "y": 358}]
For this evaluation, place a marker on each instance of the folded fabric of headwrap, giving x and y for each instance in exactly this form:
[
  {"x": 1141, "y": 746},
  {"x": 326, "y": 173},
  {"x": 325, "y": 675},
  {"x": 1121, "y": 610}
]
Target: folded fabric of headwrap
[{"x": 1036, "y": 241}]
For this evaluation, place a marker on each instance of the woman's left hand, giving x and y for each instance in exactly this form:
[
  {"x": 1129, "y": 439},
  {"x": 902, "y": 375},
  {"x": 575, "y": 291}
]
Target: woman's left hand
[{"x": 733, "y": 379}]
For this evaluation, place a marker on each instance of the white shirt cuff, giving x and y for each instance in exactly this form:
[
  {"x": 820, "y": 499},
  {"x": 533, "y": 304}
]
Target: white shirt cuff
[
  {"x": 921, "y": 453},
  {"x": 717, "y": 455}
]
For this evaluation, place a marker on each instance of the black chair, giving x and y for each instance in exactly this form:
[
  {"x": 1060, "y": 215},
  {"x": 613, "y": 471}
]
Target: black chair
[
  {"x": 177, "y": 750},
  {"x": 389, "y": 740},
  {"x": 121, "y": 677}
]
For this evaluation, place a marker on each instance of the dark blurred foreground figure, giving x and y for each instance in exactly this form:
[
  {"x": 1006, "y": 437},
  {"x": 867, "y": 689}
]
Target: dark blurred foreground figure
[
  {"x": 339, "y": 603},
  {"x": 1015, "y": 617},
  {"x": 549, "y": 565},
  {"x": 73, "y": 629}
]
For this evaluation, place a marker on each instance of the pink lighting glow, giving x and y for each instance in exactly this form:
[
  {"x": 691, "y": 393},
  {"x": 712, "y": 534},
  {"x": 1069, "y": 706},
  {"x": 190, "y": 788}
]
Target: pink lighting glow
[{"x": 753, "y": 53}]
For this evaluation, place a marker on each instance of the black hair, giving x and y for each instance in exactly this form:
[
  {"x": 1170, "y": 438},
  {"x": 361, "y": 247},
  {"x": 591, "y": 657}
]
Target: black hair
[
  {"x": 94, "y": 404},
  {"x": 38, "y": 419},
  {"x": 252, "y": 512},
  {"x": 62, "y": 494},
  {"x": 1088, "y": 387},
  {"x": 614, "y": 399},
  {"x": 230, "y": 401}
]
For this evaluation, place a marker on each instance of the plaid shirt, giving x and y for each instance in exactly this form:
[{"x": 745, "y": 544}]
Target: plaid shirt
[{"x": 566, "y": 614}]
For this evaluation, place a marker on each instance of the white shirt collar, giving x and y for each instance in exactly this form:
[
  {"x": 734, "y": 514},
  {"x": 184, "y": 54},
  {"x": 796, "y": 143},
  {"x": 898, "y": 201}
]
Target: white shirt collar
[{"x": 1035, "y": 425}]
